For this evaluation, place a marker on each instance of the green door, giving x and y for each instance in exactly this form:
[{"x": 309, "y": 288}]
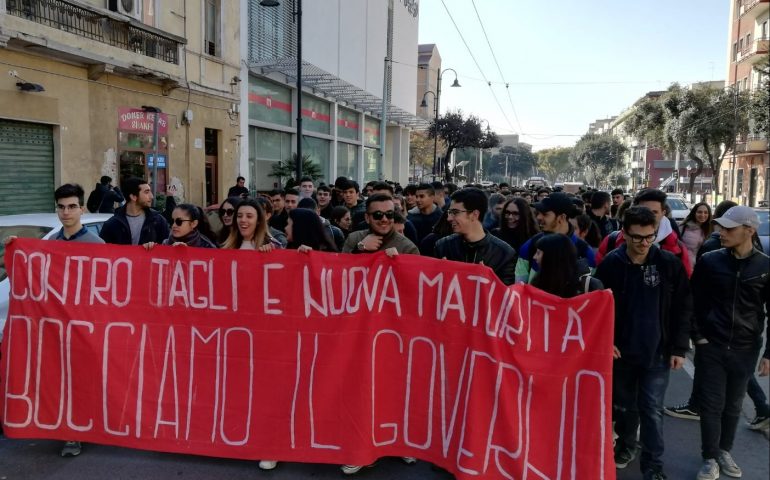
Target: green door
[{"x": 26, "y": 166}]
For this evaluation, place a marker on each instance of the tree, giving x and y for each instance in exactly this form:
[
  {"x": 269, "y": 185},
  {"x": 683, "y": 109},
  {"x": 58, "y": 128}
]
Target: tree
[
  {"x": 759, "y": 111},
  {"x": 287, "y": 168},
  {"x": 460, "y": 132},
  {"x": 694, "y": 121},
  {"x": 554, "y": 162},
  {"x": 599, "y": 154},
  {"x": 519, "y": 160},
  {"x": 421, "y": 150}
]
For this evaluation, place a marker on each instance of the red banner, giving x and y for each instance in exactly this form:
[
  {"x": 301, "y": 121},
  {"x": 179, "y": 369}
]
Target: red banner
[{"x": 306, "y": 357}]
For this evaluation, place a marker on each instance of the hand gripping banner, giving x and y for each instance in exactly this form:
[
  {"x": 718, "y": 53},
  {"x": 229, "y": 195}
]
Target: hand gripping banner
[{"x": 306, "y": 357}]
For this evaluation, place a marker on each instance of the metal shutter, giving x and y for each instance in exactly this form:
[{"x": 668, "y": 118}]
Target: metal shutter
[{"x": 26, "y": 163}]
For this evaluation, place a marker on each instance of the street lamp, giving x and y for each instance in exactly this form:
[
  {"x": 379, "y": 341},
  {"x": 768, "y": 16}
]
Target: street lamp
[
  {"x": 437, "y": 97},
  {"x": 297, "y": 15}
]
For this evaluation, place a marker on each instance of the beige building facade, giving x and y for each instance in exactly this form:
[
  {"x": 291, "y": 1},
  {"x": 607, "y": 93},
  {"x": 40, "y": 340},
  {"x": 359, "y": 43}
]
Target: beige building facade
[
  {"x": 81, "y": 80},
  {"x": 745, "y": 173}
]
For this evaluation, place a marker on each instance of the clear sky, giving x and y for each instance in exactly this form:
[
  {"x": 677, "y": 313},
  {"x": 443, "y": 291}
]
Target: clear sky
[{"x": 570, "y": 62}]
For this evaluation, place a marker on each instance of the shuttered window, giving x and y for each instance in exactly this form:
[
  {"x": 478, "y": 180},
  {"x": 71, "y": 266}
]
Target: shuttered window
[{"x": 26, "y": 163}]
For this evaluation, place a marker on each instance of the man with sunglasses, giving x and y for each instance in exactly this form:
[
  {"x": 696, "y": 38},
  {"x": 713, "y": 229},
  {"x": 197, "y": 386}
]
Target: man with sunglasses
[
  {"x": 653, "y": 311},
  {"x": 470, "y": 243},
  {"x": 732, "y": 298},
  {"x": 381, "y": 234}
]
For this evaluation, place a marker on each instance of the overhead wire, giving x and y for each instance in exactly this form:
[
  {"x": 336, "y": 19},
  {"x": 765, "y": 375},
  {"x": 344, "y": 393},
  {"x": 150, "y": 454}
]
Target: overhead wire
[
  {"x": 470, "y": 52},
  {"x": 499, "y": 70}
]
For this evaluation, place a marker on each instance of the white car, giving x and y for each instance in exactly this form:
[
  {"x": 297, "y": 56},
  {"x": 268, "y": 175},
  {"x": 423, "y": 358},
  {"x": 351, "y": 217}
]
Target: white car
[
  {"x": 34, "y": 225},
  {"x": 679, "y": 208}
]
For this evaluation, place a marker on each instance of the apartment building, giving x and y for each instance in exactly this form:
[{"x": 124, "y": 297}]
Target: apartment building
[
  {"x": 88, "y": 85},
  {"x": 358, "y": 74},
  {"x": 745, "y": 173}
]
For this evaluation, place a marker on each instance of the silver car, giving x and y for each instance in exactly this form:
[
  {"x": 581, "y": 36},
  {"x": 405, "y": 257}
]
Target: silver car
[
  {"x": 764, "y": 228},
  {"x": 34, "y": 225},
  {"x": 679, "y": 208}
]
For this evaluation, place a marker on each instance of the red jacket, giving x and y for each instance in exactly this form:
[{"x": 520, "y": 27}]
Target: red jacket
[{"x": 670, "y": 244}]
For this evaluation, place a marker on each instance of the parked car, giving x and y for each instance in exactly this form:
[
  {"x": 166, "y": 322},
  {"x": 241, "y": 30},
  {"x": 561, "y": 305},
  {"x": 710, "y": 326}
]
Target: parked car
[
  {"x": 679, "y": 208},
  {"x": 764, "y": 228},
  {"x": 34, "y": 225}
]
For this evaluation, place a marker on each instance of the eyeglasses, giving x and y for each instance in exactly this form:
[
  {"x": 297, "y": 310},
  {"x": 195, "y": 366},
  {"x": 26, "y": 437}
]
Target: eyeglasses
[
  {"x": 229, "y": 212},
  {"x": 509, "y": 213},
  {"x": 378, "y": 215},
  {"x": 642, "y": 238},
  {"x": 456, "y": 211},
  {"x": 180, "y": 221}
]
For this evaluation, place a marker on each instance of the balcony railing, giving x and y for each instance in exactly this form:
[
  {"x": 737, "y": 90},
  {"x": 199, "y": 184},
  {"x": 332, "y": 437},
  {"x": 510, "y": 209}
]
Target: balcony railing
[
  {"x": 746, "y": 5},
  {"x": 94, "y": 25},
  {"x": 758, "y": 46}
]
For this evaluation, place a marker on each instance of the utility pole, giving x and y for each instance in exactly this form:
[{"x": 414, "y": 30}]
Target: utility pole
[{"x": 735, "y": 141}]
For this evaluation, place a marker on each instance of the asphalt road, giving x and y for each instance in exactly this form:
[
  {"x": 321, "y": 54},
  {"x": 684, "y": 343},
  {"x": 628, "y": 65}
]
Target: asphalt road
[{"x": 39, "y": 459}]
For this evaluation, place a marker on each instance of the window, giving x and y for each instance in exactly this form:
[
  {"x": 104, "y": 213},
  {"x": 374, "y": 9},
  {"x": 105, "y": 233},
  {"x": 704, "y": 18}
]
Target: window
[
  {"x": 739, "y": 183},
  {"x": 318, "y": 150},
  {"x": 763, "y": 29},
  {"x": 735, "y": 52},
  {"x": 211, "y": 34},
  {"x": 347, "y": 160},
  {"x": 266, "y": 148}
]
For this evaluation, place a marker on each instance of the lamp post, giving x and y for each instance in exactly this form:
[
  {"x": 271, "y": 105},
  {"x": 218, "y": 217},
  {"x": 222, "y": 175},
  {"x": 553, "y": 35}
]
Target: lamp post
[
  {"x": 437, "y": 97},
  {"x": 297, "y": 15}
]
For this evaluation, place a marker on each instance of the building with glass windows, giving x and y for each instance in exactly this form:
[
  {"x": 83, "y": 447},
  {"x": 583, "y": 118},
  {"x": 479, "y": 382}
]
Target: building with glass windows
[{"x": 354, "y": 54}]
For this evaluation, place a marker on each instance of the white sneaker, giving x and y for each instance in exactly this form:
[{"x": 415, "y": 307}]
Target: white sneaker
[
  {"x": 353, "y": 469},
  {"x": 409, "y": 460},
  {"x": 267, "y": 464},
  {"x": 709, "y": 470},
  {"x": 727, "y": 465}
]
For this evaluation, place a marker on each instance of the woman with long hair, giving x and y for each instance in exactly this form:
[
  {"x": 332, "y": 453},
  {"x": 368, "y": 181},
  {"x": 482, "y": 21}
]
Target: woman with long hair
[
  {"x": 696, "y": 228},
  {"x": 517, "y": 223},
  {"x": 557, "y": 256},
  {"x": 249, "y": 230},
  {"x": 305, "y": 232},
  {"x": 341, "y": 218},
  {"x": 189, "y": 227},
  {"x": 226, "y": 216}
]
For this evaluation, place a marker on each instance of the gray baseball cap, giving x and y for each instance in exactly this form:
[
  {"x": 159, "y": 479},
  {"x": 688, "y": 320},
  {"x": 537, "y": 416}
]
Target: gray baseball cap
[{"x": 737, "y": 216}]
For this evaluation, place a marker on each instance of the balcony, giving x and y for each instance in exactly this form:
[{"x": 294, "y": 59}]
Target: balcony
[
  {"x": 747, "y": 7},
  {"x": 751, "y": 144},
  {"x": 755, "y": 49},
  {"x": 99, "y": 25}
]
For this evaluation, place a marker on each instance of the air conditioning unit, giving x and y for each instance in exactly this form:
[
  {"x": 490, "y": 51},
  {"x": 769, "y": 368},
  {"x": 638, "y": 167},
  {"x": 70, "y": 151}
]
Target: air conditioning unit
[{"x": 131, "y": 8}]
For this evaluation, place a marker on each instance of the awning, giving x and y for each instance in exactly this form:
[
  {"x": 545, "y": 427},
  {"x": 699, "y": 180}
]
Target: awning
[{"x": 332, "y": 86}]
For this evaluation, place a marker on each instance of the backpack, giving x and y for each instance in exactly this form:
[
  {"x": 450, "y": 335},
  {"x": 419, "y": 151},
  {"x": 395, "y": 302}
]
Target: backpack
[
  {"x": 94, "y": 201},
  {"x": 612, "y": 239}
]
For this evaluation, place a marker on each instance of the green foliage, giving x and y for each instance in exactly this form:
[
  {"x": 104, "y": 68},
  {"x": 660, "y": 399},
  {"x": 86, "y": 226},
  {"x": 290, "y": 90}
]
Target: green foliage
[
  {"x": 695, "y": 121},
  {"x": 520, "y": 162},
  {"x": 759, "y": 109},
  {"x": 457, "y": 131},
  {"x": 598, "y": 154},
  {"x": 553, "y": 162},
  {"x": 287, "y": 168}
]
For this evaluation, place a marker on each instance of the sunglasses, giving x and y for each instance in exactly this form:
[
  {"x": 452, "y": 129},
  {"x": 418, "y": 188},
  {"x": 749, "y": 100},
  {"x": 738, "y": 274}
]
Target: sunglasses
[
  {"x": 228, "y": 212},
  {"x": 378, "y": 215},
  {"x": 509, "y": 213},
  {"x": 180, "y": 221}
]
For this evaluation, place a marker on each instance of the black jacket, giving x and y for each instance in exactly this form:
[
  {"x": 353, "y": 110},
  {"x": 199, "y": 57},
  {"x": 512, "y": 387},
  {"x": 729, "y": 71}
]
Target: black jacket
[
  {"x": 675, "y": 303},
  {"x": 731, "y": 296},
  {"x": 713, "y": 243},
  {"x": 116, "y": 229},
  {"x": 495, "y": 253}
]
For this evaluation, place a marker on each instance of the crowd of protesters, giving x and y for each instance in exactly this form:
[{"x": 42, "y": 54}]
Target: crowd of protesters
[{"x": 701, "y": 283}]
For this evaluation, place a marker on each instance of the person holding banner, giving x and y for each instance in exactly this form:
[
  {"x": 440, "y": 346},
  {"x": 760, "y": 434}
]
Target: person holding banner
[
  {"x": 306, "y": 232},
  {"x": 471, "y": 243},
  {"x": 251, "y": 229},
  {"x": 381, "y": 234},
  {"x": 653, "y": 311},
  {"x": 189, "y": 228}
]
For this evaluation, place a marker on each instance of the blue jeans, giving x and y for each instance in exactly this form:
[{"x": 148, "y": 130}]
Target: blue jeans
[{"x": 638, "y": 394}]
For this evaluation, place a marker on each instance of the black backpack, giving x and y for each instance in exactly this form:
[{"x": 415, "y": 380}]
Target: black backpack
[{"x": 94, "y": 201}]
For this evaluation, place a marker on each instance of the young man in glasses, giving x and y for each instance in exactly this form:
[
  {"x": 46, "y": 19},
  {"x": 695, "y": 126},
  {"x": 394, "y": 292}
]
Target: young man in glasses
[
  {"x": 653, "y": 311},
  {"x": 381, "y": 234},
  {"x": 470, "y": 243},
  {"x": 666, "y": 237},
  {"x": 136, "y": 223}
]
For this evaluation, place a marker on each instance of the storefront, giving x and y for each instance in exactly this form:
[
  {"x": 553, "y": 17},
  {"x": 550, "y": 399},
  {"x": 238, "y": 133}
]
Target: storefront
[{"x": 136, "y": 146}]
